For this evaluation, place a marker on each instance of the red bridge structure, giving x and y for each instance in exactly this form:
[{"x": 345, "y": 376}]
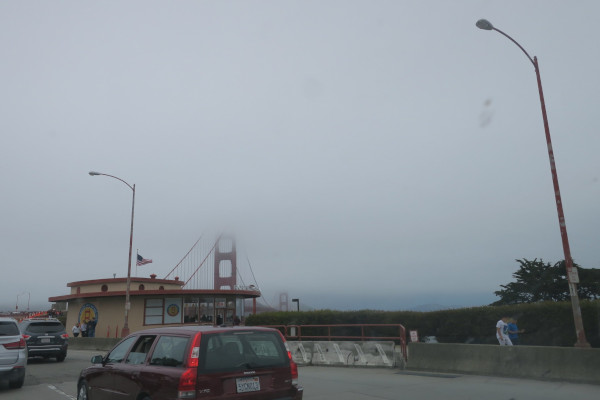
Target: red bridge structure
[{"x": 212, "y": 266}]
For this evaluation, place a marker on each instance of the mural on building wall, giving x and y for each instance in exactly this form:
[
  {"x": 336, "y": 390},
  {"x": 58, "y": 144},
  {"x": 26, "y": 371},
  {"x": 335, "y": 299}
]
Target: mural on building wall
[
  {"x": 88, "y": 318},
  {"x": 172, "y": 311}
]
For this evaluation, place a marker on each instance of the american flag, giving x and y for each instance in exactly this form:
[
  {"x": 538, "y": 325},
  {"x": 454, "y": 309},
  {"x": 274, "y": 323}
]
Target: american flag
[{"x": 141, "y": 260}]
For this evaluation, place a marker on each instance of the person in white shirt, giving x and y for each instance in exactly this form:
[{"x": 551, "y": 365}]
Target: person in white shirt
[
  {"x": 502, "y": 332},
  {"x": 76, "y": 330}
]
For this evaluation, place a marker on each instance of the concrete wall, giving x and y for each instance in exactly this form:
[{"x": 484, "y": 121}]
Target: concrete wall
[
  {"x": 102, "y": 345},
  {"x": 537, "y": 362}
]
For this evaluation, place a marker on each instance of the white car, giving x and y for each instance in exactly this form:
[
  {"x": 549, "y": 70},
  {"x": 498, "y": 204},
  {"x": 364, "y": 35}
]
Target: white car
[
  {"x": 13, "y": 353},
  {"x": 430, "y": 339}
]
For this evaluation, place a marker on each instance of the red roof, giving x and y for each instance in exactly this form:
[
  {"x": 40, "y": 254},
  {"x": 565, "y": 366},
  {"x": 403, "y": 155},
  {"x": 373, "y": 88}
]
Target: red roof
[
  {"x": 186, "y": 292},
  {"x": 119, "y": 280}
]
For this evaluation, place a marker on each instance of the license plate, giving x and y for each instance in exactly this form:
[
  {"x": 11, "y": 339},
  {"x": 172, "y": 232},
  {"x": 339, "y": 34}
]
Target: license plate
[
  {"x": 248, "y": 384},
  {"x": 45, "y": 340}
]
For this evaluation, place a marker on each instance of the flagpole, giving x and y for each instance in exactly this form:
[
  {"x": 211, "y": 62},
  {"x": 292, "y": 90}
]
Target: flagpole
[
  {"x": 137, "y": 254},
  {"x": 125, "y": 330}
]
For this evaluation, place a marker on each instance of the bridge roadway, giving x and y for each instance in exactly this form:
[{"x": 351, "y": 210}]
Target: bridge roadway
[{"x": 50, "y": 380}]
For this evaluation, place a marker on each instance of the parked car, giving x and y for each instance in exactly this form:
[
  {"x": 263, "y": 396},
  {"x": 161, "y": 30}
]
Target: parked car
[
  {"x": 13, "y": 353},
  {"x": 45, "y": 337},
  {"x": 194, "y": 362},
  {"x": 430, "y": 339}
]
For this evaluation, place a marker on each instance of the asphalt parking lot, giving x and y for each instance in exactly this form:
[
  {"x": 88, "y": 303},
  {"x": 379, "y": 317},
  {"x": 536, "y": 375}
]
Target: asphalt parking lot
[{"x": 50, "y": 380}]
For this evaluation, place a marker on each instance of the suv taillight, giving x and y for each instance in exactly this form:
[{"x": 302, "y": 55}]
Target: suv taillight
[
  {"x": 26, "y": 337},
  {"x": 64, "y": 336},
  {"x": 192, "y": 360},
  {"x": 187, "y": 380},
  {"x": 293, "y": 365},
  {"x": 16, "y": 345},
  {"x": 293, "y": 370},
  {"x": 187, "y": 384}
]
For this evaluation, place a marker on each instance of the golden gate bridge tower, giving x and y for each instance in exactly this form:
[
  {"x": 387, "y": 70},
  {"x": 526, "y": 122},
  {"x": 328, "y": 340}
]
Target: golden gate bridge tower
[
  {"x": 225, "y": 266},
  {"x": 212, "y": 265}
]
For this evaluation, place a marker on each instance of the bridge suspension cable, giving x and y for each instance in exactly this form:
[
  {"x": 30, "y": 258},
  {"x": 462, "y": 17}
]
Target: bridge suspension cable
[
  {"x": 184, "y": 257},
  {"x": 197, "y": 267}
]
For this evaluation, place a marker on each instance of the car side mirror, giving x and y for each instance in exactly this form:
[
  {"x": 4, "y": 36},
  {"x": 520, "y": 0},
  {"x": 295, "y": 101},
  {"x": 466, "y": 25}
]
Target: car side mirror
[{"x": 97, "y": 360}]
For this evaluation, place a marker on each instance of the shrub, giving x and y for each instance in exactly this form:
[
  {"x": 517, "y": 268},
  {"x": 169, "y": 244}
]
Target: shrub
[{"x": 545, "y": 323}]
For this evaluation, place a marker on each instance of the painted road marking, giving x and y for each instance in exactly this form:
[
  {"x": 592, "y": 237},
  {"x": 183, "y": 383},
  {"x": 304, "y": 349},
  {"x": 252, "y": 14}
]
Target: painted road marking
[{"x": 57, "y": 390}]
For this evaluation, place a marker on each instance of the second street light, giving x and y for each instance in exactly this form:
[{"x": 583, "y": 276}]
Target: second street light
[
  {"x": 572, "y": 276},
  {"x": 125, "y": 330}
]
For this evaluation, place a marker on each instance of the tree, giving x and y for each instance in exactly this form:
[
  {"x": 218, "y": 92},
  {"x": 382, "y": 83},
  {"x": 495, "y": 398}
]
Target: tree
[{"x": 539, "y": 281}]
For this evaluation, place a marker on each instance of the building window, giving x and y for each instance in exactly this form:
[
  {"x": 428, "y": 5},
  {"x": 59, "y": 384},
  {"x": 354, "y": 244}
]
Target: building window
[
  {"x": 78, "y": 290},
  {"x": 207, "y": 310},
  {"x": 163, "y": 311},
  {"x": 153, "y": 312},
  {"x": 198, "y": 311},
  {"x": 161, "y": 288},
  {"x": 104, "y": 288},
  {"x": 190, "y": 310},
  {"x": 141, "y": 286},
  {"x": 240, "y": 311}
]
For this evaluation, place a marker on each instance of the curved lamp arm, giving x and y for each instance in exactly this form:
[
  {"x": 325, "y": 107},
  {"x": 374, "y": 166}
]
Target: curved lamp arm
[
  {"x": 487, "y": 26},
  {"x": 94, "y": 173}
]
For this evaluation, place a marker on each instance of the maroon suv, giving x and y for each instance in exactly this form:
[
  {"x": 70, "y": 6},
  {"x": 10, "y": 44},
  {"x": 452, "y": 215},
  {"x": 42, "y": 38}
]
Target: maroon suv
[{"x": 194, "y": 362}]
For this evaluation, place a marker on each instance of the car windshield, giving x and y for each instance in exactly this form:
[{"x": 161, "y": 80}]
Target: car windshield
[
  {"x": 45, "y": 327},
  {"x": 232, "y": 350},
  {"x": 8, "y": 328}
]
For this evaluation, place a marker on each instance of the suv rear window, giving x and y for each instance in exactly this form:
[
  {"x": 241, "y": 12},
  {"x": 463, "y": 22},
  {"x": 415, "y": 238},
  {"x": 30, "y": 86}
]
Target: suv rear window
[
  {"x": 45, "y": 327},
  {"x": 229, "y": 351},
  {"x": 8, "y": 328}
]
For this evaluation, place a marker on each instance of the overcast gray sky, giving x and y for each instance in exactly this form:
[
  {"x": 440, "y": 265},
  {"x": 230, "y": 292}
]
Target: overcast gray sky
[{"x": 367, "y": 154}]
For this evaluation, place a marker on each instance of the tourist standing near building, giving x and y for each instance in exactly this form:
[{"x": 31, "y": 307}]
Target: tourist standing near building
[{"x": 76, "y": 330}]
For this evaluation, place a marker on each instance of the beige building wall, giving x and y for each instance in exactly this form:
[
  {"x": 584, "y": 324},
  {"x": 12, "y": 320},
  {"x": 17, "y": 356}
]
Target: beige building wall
[
  {"x": 111, "y": 316},
  {"x": 111, "y": 313}
]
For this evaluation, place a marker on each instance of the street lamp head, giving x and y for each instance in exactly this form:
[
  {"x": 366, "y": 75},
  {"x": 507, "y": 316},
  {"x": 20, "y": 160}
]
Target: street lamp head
[
  {"x": 94, "y": 173},
  {"x": 484, "y": 24}
]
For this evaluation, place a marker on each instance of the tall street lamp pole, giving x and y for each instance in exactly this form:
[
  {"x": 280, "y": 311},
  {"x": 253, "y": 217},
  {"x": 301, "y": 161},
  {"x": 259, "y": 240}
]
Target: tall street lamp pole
[
  {"x": 572, "y": 275},
  {"x": 125, "y": 330}
]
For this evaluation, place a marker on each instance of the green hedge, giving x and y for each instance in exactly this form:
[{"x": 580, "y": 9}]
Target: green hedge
[{"x": 545, "y": 324}]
